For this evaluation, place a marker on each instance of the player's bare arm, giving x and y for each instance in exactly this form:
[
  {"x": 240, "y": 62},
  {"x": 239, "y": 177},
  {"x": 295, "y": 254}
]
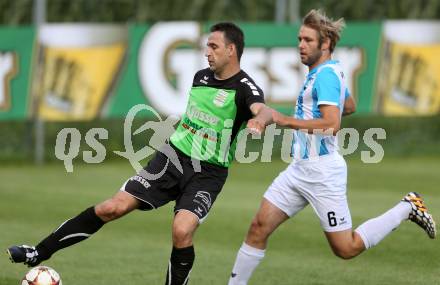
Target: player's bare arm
[
  {"x": 330, "y": 120},
  {"x": 349, "y": 106},
  {"x": 262, "y": 117}
]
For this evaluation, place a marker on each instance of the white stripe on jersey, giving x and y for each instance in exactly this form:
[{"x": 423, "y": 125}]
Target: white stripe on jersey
[{"x": 324, "y": 85}]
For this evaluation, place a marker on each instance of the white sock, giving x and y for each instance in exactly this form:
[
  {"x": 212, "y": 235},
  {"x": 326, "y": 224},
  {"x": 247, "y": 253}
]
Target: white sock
[
  {"x": 247, "y": 260},
  {"x": 375, "y": 230}
]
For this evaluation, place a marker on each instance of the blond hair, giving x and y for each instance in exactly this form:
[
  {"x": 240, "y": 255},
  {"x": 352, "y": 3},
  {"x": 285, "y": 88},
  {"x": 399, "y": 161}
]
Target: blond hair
[{"x": 326, "y": 27}]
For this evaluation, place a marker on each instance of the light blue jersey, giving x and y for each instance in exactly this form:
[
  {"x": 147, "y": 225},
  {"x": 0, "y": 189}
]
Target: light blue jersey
[{"x": 324, "y": 85}]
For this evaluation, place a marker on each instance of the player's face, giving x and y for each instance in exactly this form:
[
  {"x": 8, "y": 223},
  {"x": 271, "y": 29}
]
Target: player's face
[
  {"x": 308, "y": 44},
  {"x": 218, "y": 52}
]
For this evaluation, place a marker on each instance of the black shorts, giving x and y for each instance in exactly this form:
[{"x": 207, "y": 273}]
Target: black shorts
[{"x": 192, "y": 190}]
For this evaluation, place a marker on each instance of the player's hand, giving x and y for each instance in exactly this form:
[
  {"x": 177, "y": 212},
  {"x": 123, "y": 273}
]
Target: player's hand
[
  {"x": 280, "y": 119},
  {"x": 255, "y": 126}
]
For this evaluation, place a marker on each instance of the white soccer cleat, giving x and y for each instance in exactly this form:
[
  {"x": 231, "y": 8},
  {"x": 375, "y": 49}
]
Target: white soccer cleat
[{"x": 419, "y": 213}]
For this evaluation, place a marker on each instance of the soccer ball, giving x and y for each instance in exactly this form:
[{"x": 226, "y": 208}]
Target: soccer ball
[{"x": 41, "y": 275}]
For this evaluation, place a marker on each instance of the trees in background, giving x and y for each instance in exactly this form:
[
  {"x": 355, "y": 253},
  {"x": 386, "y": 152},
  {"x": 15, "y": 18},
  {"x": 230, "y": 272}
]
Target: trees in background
[{"x": 19, "y": 12}]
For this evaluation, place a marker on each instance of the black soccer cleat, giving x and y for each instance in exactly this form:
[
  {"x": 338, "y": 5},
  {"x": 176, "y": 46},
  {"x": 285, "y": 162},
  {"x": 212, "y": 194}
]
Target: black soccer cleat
[
  {"x": 419, "y": 213},
  {"x": 23, "y": 254}
]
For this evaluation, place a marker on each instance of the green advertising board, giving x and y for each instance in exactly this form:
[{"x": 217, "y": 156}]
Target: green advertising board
[
  {"x": 160, "y": 61},
  {"x": 16, "y": 46},
  {"x": 163, "y": 58}
]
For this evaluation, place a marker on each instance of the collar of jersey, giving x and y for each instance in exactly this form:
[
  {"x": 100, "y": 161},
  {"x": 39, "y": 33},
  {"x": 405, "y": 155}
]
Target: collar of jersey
[
  {"x": 313, "y": 71},
  {"x": 227, "y": 79}
]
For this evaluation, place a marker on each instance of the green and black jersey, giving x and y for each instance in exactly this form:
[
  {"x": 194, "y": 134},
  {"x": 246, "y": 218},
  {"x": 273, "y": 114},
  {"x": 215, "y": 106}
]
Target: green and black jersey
[{"x": 217, "y": 111}]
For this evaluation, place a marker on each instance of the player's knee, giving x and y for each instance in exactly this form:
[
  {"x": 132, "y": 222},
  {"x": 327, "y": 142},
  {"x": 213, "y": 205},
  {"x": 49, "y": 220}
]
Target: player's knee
[
  {"x": 345, "y": 252},
  {"x": 258, "y": 230},
  {"x": 182, "y": 235},
  {"x": 110, "y": 210},
  {"x": 344, "y": 255}
]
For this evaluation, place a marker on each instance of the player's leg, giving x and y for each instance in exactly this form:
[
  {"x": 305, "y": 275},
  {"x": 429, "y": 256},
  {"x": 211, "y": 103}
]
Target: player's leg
[
  {"x": 411, "y": 207},
  {"x": 182, "y": 257},
  {"x": 345, "y": 244},
  {"x": 280, "y": 202},
  {"x": 252, "y": 251},
  {"x": 323, "y": 183},
  {"x": 120, "y": 204},
  {"x": 133, "y": 195},
  {"x": 332, "y": 208},
  {"x": 348, "y": 244},
  {"x": 192, "y": 207},
  {"x": 75, "y": 229},
  {"x": 335, "y": 218},
  {"x": 265, "y": 222}
]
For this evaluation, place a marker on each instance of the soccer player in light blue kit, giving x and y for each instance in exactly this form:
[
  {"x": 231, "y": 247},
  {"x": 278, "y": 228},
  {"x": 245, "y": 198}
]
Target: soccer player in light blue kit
[{"x": 318, "y": 173}]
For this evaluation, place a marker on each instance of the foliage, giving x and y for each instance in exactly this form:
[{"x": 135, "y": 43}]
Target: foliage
[{"x": 15, "y": 12}]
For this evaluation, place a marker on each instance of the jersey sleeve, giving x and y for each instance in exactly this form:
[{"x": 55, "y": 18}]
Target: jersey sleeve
[
  {"x": 196, "y": 77},
  {"x": 328, "y": 88},
  {"x": 251, "y": 92}
]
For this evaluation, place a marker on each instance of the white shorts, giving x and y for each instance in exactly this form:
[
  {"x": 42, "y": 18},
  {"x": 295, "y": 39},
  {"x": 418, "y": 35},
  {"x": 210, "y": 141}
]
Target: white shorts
[{"x": 322, "y": 183}]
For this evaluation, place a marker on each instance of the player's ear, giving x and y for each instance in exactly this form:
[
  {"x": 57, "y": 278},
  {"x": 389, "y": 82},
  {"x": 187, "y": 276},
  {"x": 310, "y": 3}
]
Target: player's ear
[
  {"x": 326, "y": 44},
  {"x": 231, "y": 50}
]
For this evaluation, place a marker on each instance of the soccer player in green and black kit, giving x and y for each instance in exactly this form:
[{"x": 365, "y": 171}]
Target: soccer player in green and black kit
[{"x": 223, "y": 98}]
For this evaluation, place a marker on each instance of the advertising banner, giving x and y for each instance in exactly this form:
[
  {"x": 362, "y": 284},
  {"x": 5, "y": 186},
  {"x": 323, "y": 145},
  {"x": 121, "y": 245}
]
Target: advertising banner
[
  {"x": 15, "y": 69},
  {"x": 164, "y": 57},
  {"x": 88, "y": 71},
  {"x": 410, "y": 71},
  {"x": 78, "y": 65}
]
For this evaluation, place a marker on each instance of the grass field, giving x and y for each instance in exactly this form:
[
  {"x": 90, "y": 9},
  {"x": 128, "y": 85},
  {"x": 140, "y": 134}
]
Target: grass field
[{"x": 135, "y": 249}]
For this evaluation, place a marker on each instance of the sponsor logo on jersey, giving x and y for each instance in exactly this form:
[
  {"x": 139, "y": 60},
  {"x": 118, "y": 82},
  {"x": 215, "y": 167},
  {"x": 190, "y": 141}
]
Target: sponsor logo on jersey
[
  {"x": 204, "y": 80},
  {"x": 195, "y": 129},
  {"x": 141, "y": 180},
  {"x": 342, "y": 221},
  {"x": 195, "y": 113},
  {"x": 198, "y": 211},
  {"x": 203, "y": 202},
  {"x": 205, "y": 197}
]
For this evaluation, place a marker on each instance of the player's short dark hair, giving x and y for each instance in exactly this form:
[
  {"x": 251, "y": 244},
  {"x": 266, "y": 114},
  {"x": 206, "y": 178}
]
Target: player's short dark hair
[{"x": 233, "y": 34}]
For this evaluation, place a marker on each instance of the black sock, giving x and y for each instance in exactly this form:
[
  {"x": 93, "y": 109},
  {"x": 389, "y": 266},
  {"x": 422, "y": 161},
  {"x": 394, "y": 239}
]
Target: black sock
[
  {"x": 180, "y": 265},
  {"x": 70, "y": 232}
]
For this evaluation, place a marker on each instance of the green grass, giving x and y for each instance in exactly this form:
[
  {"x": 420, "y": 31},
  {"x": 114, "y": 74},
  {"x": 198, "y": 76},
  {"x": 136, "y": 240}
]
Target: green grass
[{"x": 135, "y": 249}]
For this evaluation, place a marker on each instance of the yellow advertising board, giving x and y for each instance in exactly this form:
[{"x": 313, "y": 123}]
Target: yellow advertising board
[
  {"x": 76, "y": 77},
  {"x": 409, "y": 78}
]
